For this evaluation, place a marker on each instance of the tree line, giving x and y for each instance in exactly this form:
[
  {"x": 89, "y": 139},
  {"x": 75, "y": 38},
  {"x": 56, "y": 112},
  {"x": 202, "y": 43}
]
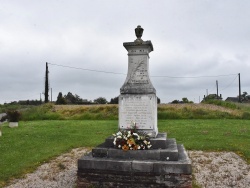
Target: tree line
[{"x": 76, "y": 99}]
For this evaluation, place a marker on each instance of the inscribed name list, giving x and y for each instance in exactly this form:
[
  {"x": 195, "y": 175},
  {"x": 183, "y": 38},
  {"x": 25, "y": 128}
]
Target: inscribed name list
[{"x": 137, "y": 108}]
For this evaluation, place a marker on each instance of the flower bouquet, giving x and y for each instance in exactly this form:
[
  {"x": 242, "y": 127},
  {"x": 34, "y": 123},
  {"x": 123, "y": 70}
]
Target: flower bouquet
[{"x": 131, "y": 139}]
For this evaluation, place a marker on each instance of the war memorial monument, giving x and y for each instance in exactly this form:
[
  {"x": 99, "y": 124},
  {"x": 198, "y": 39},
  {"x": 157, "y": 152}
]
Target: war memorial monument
[{"x": 164, "y": 164}]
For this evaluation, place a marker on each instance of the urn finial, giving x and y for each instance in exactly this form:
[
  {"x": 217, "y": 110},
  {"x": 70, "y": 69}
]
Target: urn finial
[{"x": 138, "y": 33}]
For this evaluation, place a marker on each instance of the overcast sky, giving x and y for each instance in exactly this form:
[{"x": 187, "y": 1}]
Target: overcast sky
[{"x": 196, "y": 42}]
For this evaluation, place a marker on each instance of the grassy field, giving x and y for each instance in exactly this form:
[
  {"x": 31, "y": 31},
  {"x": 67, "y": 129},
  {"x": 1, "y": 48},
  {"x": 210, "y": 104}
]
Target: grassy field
[{"x": 34, "y": 142}]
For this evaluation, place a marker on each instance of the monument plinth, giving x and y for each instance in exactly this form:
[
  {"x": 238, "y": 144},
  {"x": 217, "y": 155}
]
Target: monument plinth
[
  {"x": 138, "y": 101},
  {"x": 165, "y": 164}
]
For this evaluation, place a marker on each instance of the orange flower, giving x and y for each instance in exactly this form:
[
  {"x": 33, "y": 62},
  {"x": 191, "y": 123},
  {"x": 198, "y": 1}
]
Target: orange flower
[
  {"x": 131, "y": 141},
  {"x": 135, "y": 147},
  {"x": 125, "y": 147}
]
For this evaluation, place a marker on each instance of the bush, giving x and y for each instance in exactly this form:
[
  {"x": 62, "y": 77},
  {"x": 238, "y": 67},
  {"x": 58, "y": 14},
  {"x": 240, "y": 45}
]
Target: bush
[
  {"x": 245, "y": 115},
  {"x": 221, "y": 103},
  {"x": 13, "y": 116}
]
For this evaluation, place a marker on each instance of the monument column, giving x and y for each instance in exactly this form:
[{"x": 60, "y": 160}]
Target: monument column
[
  {"x": 164, "y": 164},
  {"x": 137, "y": 100}
]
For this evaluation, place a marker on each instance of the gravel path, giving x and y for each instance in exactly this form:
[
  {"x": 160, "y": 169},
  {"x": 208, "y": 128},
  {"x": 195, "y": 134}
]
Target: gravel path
[
  {"x": 211, "y": 170},
  {"x": 220, "y": 169}
]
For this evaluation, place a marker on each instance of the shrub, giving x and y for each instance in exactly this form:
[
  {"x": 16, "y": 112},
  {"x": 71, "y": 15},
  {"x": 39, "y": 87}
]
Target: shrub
[
  {"x": 221, "y": 103},
  {"x": 13, "y": 116},
  {"x": 245, "y": 115}
]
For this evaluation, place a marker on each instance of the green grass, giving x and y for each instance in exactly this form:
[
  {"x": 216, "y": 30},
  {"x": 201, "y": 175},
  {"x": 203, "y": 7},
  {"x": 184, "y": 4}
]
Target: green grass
[
  {"x": 24, "y": 148},
  {"x": 222, "y": 103},
  {"x": 34, "y": 142},
  {"x": 71, "y": 112},
  {"x": 210, "y": 135},
  {"x": 110, "y": 112}
]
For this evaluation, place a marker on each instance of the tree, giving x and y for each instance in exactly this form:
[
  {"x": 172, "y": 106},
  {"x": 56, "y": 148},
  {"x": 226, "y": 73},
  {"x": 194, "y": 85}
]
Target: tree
[
  {"x": 114, "y": 100},
  {"x": 101, "y": 100},
  {"x": 60, "y": 99},
  {"x": 245, "y": 97},
  {"x": 175, "y": 102},
  {"x": 74, "y": 99},
  {"x": 185, "y": 100},
  {"x": 70, "y": 98},
  {"x": 158, "y": 100}
]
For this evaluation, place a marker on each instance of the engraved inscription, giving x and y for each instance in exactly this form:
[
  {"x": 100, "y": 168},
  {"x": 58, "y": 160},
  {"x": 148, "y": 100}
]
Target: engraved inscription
[
  {"x": 139, "y": 109},
  {"x": 140, "y": 73}
]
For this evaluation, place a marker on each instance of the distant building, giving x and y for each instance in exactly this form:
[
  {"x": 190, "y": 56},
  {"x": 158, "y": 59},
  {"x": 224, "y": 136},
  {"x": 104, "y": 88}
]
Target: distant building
[{"x": 232, "y": 99}]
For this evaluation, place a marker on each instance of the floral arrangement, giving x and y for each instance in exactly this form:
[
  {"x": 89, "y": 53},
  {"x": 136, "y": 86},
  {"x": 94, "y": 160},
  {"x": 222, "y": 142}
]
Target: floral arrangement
[{"x": 131, "y": 139}]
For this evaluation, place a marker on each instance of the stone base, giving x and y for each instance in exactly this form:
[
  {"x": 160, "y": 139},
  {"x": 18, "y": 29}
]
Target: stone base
[
  {"x": 167, "y": 166},
  {"x": 13, "y": 124}
]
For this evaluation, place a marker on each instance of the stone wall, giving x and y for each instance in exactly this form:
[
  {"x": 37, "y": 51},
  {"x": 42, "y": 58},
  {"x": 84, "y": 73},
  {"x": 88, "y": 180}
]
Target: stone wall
[{"x": 104, "y": 178}]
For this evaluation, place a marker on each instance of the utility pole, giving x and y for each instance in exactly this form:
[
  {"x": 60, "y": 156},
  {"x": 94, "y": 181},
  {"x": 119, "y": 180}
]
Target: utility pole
[
  {"x": 239, "y": 89},
  {"x": 46, "y": 92},
  {"x": 217, "y": 89},
  {"x": 207, "y": 92},
  {"x": 51, "y": 94}
]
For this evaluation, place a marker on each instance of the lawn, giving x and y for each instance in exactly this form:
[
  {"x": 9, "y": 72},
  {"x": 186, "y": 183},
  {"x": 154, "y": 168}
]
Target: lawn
[{"x": 24, "y": 148}]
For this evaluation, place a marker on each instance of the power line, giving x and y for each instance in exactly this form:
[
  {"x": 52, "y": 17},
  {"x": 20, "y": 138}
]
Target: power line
[
  {"x": 86, "y": 69},
  {"x": 195, "y": 76},
  {"x": 108, "y": 72},
  {"x": 230, "y": 83}
]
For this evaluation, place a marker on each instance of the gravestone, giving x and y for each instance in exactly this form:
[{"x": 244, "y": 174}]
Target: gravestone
[
  {"x": 138, "y": 101},
  {"x": 166, "y": 164}
]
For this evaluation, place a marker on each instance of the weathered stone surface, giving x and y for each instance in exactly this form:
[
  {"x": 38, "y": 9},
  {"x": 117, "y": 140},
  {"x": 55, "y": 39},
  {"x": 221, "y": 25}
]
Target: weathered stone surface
[
  {"x": 138, "y": 81},
  {"x": 137, "y": 100},
  {"x": 106, "y": 179},
  {"x": 183, "y": 165},
  {"x": 139, "y": 108},
  {"x": 163, "y": 149},
  {"x": 110, "y": 172}
]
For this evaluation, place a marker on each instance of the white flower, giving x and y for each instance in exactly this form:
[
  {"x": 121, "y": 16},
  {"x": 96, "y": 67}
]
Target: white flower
[
  {"x": 139, "y": 147},
  {"x": 119, "y": 133},
  {"x": 114, "y": 134},
  {"x": 119, "y": 137},
  {"x": 114, "y": 141},
  {"x": 149, "y": 146},
  {"x": 145, "y": 142},
  {"x": 148, "y": 142},
  {"x": 129, "y": 145},
  {"x": 135, "y": 134},
  {"x": 119, "y": 146}
]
